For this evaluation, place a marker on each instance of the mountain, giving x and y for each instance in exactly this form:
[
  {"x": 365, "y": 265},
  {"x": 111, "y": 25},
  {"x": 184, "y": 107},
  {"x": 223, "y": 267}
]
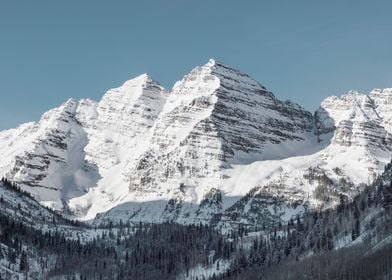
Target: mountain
[
  {"x": 354, "y": 146},
  {"x": 217, "y": 148}
]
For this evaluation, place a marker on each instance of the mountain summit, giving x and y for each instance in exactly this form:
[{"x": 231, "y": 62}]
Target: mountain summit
[{"x": 217, "y": 147}]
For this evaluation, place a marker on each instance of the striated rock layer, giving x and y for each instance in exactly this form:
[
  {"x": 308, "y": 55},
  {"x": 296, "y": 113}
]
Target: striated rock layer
[{"x": 217, "y": 148}]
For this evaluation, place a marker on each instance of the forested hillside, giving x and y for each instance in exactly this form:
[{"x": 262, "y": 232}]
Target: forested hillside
[
  {"x": 65, "y": 248},
  {"x": 352, "y": 241}
]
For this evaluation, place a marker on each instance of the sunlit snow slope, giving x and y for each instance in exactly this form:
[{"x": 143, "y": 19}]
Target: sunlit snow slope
[{"x": 216, "y": 148}]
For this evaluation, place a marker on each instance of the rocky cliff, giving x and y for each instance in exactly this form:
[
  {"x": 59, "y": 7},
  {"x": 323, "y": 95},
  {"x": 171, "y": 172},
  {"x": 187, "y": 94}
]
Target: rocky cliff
[{"x": 218, "y": 147}]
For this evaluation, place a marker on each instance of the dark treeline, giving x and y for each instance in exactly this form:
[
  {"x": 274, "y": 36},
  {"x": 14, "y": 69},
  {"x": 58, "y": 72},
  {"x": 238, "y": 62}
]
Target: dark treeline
[
  {"x": 152, "y": 252},
  {"x": 283, "y": 253},
  {"x": 14, "y": 187},
  {"x": 24, "y": 242},
  {"x": 142, "y": 252},
  {"x": 353, "y": 263},
  {"x": 56, "y": 217}
]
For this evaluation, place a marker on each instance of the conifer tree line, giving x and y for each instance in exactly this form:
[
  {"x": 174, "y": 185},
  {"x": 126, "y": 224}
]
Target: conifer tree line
[
  {"x": 155, "y": 251},
  {"x": 56, "y": 217}
]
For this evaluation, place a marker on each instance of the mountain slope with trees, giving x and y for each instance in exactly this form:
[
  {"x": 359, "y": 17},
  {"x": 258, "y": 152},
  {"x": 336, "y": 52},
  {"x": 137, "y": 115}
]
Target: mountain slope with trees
[{"x": 330, "y": 244}]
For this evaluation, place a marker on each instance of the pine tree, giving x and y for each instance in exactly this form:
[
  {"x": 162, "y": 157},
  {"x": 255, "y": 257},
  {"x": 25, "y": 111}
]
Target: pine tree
[
  {"x": 329, "y": 239},
  {"x": 23, "y": 263},
  {"x": 356, "y": 230},
  {"x": 387, "y": 197}
]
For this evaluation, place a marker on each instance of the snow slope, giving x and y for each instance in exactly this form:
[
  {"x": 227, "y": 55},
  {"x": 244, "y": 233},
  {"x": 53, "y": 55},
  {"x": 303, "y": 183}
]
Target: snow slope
[{"x": 217, "y": 147}]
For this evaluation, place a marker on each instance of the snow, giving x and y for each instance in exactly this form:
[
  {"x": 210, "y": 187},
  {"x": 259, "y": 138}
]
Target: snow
[
  {"x": 142, "y": 145},
  {"x": 200, "y": 271}
]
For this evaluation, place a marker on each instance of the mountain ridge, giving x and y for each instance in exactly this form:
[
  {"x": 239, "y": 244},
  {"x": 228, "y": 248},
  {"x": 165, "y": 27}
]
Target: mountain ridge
[{"x": 216, "y": 136}]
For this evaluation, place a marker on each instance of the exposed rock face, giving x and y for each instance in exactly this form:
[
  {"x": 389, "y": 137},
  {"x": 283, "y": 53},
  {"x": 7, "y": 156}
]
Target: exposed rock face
[
  {"x": 122, "y": 120},
  {"x": 73, "y": 146},
  {"x": 357, "y": 119},
  {"x": 260, "y": 207},
  {"x": 48, "y": 156},
  {"x": 217, "y": 148},
  {"x": 214, "y": 116},
  {"x": 382, "y": 99}
]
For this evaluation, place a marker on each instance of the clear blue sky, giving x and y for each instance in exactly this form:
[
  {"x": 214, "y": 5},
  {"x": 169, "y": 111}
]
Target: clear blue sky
[{"x": 301, "y": 50}]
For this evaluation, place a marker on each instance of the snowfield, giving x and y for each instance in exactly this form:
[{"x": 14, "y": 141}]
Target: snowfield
[{"x": 144, "y": 153}]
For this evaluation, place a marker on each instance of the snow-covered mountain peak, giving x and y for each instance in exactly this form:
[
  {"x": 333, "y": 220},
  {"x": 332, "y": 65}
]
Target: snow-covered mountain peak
[
  {"x": 155, "y": 155},
  {"x": 385, "y": 91},
  {"x": 142, "y": 88},
  {"x": 347, "y": 99},
  {"x": 358, "y": 106},
  {"x": 59, "y": 117},
  {"x": 135, "y": 85},
  {"x": 383, "y": 101},
  {"x": 199, "y": 81},
  {"x": 68, "y": 106},
  {"x": 231, "y": 76},
  {"x": 208, "y": 78},
  {"x": 211, "y": 62},
  {"x": 357, "y": 119},
  {"x": 352, "y": 94},
  {"x": 217, "y": 66},
  {"x": 381, "y": 97},
  {"x": 142, "y": 80}
]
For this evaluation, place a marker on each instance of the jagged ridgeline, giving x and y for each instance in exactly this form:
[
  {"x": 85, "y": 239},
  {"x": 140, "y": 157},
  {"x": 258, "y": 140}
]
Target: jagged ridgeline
[{"x": 218, "y": 148}]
